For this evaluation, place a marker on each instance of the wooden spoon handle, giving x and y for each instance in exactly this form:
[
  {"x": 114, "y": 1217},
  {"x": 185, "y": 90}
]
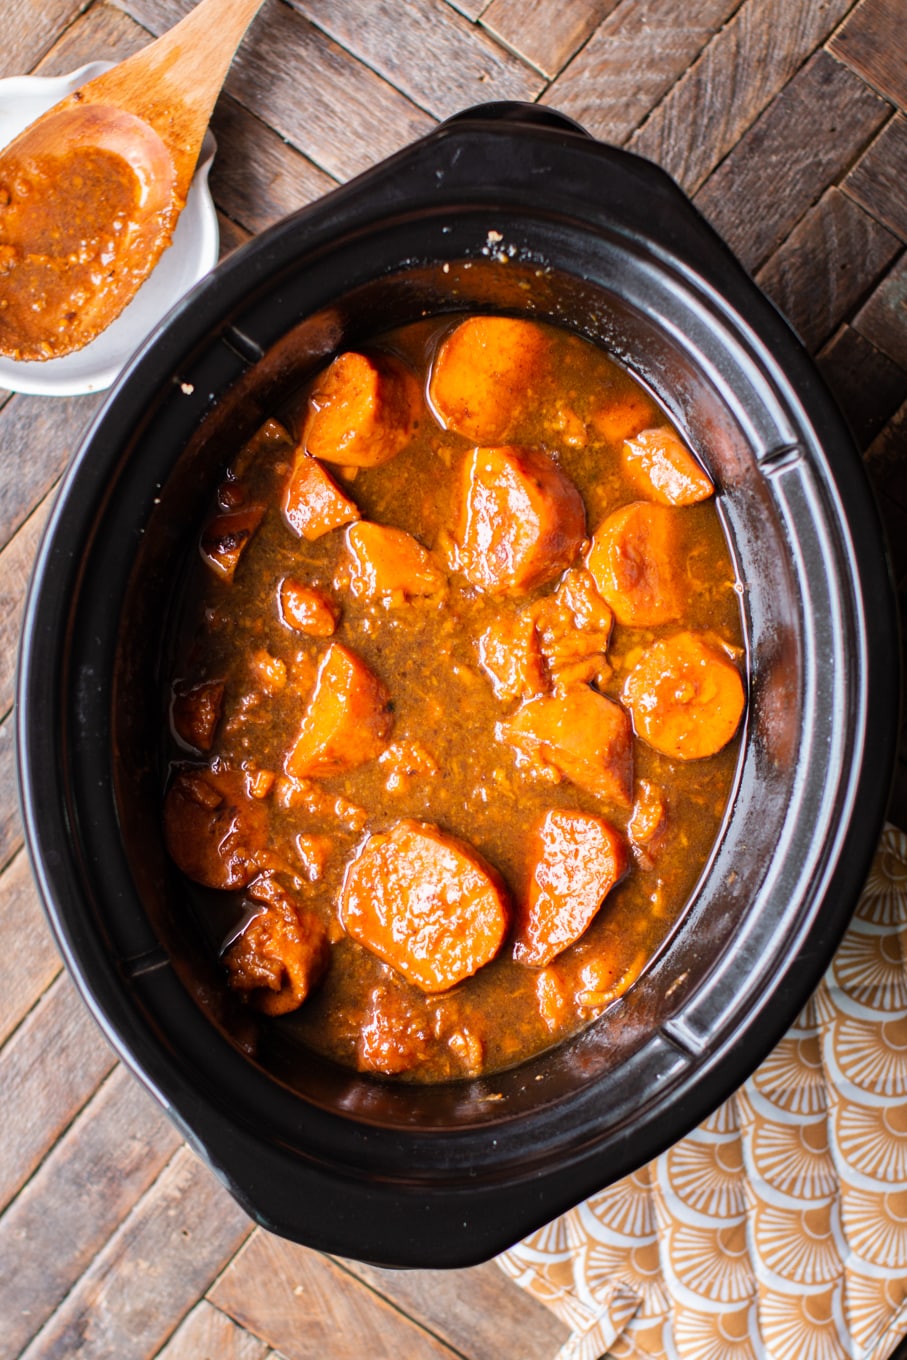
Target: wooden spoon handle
[{"x": 173, "y": 83}]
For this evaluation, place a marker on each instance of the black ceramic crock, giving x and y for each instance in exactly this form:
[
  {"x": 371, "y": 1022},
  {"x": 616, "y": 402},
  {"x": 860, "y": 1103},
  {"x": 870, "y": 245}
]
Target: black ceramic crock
[{"x": 514, "y": 209}]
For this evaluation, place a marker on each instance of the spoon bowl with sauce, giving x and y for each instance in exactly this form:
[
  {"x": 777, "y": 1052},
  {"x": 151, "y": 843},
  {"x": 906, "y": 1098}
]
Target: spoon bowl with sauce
[{"x": 90, "y": 193}]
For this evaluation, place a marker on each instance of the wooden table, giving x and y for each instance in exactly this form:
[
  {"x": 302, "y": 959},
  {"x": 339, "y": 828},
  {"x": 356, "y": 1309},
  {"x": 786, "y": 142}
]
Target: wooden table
[{"x": 784, "y": 119}]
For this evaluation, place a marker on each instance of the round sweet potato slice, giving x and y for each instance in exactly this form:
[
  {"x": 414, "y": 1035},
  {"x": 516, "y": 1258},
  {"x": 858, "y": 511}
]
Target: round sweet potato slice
[
  {"x": 686, "y": 697},
  {"x": 577, "y": 859},
  {"x": 485, "y": 375},
  {"x": 637, "y": 562},
  {"x": 426, "y": 904},
  {"x": 521, "y": 520}
]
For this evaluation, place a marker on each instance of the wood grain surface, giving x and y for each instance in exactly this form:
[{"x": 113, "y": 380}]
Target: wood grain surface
[{"x": 785, "y": 120}]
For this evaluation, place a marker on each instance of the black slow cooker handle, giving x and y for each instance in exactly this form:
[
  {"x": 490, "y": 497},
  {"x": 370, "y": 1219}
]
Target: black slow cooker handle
[{"x": 516, "y": 111}]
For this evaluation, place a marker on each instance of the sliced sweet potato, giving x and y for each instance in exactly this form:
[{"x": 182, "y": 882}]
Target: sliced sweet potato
[
  {"x": 389, "y": 564},
  {"x": 580, "y": 734},
  {"x": 362, "y": 410},
  {"x": 521, "y": 520},
  {"x": 195, "y": 713},
  {"x": 486, "y": 374},
  {"x": 313, "y": 503},
  {"x": 227, "y": 536},
  {"x": 347, "y": 719},
  {"x": 576, "y": 860},
  {"x": 281, "y": 955},
  {"x": 306, "y": 609},
  {"x": 686, "y": 697},
  {"x": 663, "y": 469},
  {"x": 213, "y": 829},
  {"x": 510, "y": 656},
  {"x": 426, "y": 904},
  {"x": 618, "y": 418},
  {"x": 636, "y": 560},
  {"x": 648, "y": 819}
]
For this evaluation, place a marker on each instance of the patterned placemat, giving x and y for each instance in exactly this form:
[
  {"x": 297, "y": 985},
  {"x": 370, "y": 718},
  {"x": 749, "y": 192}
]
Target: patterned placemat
[{"x": 777, "y": 1230}]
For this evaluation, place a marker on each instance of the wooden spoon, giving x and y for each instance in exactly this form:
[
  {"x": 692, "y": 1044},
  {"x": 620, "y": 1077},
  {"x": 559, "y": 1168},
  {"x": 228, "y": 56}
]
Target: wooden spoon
[{"x": 91, "y": 192}]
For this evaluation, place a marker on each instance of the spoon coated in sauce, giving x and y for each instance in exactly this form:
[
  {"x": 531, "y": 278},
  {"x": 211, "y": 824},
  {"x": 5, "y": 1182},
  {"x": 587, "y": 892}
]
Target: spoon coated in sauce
[{"x": 91, "y": 192}]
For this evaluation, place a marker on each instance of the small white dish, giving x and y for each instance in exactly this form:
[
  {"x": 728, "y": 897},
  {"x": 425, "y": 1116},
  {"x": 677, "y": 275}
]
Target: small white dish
[{"x": 193, "y": 252}]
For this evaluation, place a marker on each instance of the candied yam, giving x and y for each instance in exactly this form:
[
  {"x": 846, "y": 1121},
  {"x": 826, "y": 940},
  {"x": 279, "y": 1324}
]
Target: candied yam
[
  {"x": 620, "y": 417},
  {"x": 226, "y": 537},
  {"x": 306, "y": 609},
  {"x": 281, "y": 955},
  {"x": 347, "y": 719},
  {"x": 636, "y": 560},
  {"x": 486, "y": 374},
  {"x": 389, "y": 564},
  {"x": 553, "y": 1005},
  {"x": 313, "y": 503},
  {"x": 214, "y": 831},
  {"x": 649, "y": 816},
  {"x": 393, "y": 1037},
  {"x": 195, "y": 713},
  {"x": 424, "y": 903},
  {"x": 686, "y": 697},
  {"x": 663, "y": 469},
  {"x": 510, "y": 656},
  {"x": 574, "y": 628},
  {"x": 576, "y": 860},
  {"x": 580, "y": 734},
  {"x": 362, "y": 410},
  {"x": 521, "y": 520}
]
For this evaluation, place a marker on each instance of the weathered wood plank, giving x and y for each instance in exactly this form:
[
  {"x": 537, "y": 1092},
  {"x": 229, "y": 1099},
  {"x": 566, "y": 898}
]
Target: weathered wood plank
[
  {"x": 472, "y": 9},
  {"x": 29, "y": 30},
  {"x": 10, "y": 824},
  {"x": 545, "y": 36},
  {"x": 231, "y": 235},
  {"x": 831, "y": 260},
  {"x": 49, "y": 1068},
  {"x": 152, "y": 1271},
  {"x": 104, "y": 1162},
  {"x": 878, "y": 181},
  {"x": 208, "y": 1334},
  {"x": 886, "y": 463},
  {"x": 478, "y": 1311},
  {"x": 256, "y": 177},
  {"x": 868, "y": 387},
  {"x": 15, "y": 568},
  {"x": 29, "y": 961},
  {"x": 442, "y": 62},
  {"x": 632, "y": 60},
  {"x": 304, "y": 1305},
  {"x": 102, "y": 33},
  {"x": 872, "y": 42},
  {"x": 882, "y": 320},
  {"x": 38, "y": 437},
  {"x": 738, "y": 74},
  {"x": 342, "y": 115},
  {"x": 775, "y": 162}
]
